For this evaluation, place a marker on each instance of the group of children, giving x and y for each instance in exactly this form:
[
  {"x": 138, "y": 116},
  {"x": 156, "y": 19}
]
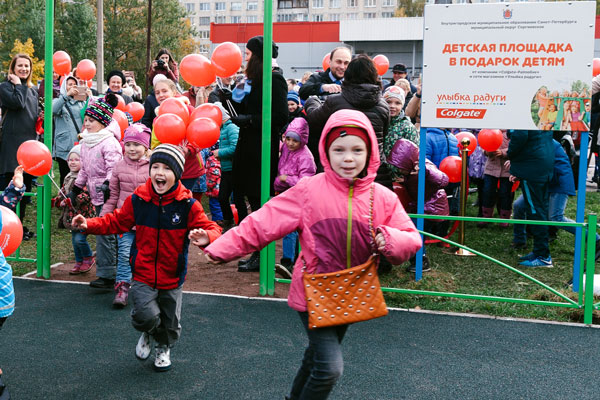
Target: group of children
[{"x": 576, "y": 107}]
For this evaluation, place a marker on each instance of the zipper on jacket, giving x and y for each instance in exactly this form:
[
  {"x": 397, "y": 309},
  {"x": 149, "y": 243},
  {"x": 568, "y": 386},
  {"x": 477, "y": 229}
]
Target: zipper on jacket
[
  {"x": 157, "y": 242},
  {"x": 349, "y": 229}
]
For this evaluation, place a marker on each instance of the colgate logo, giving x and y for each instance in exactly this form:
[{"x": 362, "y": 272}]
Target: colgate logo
[{"x": 460, "y": 113}]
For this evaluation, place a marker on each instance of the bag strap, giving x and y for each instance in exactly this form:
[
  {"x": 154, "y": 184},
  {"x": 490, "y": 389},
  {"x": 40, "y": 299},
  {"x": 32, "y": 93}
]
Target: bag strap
[
  {"x": 349, "y": 232},
  {"x": 77, "y": 129}
]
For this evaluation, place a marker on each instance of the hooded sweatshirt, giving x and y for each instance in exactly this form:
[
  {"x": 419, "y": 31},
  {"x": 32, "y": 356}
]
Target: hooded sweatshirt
[
  {"x": 320, "y": 207},
  {"x": 295, "y": 164},
  {"x": 65, "y": 128}
]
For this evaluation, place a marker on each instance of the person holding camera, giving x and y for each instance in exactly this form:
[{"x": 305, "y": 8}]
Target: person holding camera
[
  {"x": 164, "y": 64},
  {"x": 132, "y": 90}
]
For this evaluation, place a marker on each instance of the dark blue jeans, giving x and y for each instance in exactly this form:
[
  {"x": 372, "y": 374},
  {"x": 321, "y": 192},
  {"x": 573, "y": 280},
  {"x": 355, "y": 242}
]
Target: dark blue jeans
[{"x": 322, "y": 364}]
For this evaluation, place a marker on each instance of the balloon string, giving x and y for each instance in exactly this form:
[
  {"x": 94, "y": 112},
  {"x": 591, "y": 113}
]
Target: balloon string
[
  {"x": 227, "y": 101},
  {"x": 62, "y": 193}
]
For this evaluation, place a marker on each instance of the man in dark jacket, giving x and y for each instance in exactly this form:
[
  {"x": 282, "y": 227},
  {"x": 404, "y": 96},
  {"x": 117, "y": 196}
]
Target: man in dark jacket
[
  {"x": 531, "y": 155},
  {"x": 323, "y": 84},
  {"x": 399, "y": 71}
]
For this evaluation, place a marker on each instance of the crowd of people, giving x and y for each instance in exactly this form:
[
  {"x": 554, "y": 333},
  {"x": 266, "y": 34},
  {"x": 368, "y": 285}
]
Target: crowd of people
[{"x": 344, "y": 146}]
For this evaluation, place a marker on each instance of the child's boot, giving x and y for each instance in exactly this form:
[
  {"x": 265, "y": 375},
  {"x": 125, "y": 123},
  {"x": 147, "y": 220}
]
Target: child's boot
[
  {"x": 76, "y": 270},
  {"x": 88, "y": 264},
  {"x": 487, "y": 213},
  {"x": 121, "y": 294},
  {"x": 144, "y": 346},
  {"x": 505, "y": 214},
  {"x": 162, "y": 360}
]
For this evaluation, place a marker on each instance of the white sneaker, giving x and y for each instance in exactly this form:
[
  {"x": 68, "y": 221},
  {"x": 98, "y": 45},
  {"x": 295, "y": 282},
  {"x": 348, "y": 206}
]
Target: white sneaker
[
  {"x": 144, "y": 346},
  {"x": 162, "y": 358}
]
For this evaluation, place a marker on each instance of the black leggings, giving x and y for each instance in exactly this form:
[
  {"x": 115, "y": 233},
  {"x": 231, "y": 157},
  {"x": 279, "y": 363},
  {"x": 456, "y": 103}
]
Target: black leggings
[{"x": 63, "y": 169}]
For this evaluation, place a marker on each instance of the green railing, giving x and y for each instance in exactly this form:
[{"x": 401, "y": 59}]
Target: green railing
[{"x": 585, "y": 298}]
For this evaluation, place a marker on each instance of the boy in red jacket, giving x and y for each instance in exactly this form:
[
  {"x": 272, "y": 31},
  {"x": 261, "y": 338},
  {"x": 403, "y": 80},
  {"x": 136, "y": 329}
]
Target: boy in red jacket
[{"x": 163, "y": 211}]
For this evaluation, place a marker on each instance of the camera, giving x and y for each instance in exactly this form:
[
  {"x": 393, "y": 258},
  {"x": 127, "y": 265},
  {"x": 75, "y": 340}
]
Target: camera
[{"x": 160, "y": 63}]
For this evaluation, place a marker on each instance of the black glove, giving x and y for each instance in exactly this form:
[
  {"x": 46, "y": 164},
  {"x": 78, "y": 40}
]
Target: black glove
[
  {"x": 224, "y": 94},
  {"x": 75, "y": 191},
  {"x": 105, "y": 190},
  {"x": 242, "y": 120}
]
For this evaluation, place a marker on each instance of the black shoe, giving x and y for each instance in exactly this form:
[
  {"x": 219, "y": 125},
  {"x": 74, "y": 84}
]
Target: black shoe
[
  {"x": 412, "y": 268},
  {"x": 103, "y": 283},
  {"x": 251, "y": 266},
  {"x": 249, "y": 259},
  {"x": 283, "y": 271}
]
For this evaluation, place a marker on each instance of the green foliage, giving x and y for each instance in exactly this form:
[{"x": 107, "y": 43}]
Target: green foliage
[
  {"x": 579, "y": 86},
  {"x": 410, "y": 8},
  {"x": 75, "y": 30}
]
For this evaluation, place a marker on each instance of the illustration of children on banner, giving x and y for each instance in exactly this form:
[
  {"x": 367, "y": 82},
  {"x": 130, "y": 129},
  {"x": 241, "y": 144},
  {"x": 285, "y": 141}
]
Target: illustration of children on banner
[{"x": 567, "y": 111}]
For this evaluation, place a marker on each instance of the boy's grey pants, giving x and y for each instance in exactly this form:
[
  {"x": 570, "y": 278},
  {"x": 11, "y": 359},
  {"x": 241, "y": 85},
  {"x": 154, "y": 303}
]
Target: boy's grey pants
[
  {"x": 156, "y": 312},
  {"x": 106, "y": 254}
]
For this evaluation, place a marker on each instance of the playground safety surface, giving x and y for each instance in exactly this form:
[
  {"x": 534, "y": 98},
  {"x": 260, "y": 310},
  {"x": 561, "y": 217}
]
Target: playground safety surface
[{"x": 64, "y": 341}]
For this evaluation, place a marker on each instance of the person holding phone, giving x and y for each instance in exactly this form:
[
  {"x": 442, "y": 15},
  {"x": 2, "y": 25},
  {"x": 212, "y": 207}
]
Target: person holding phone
[{"x": 66, "y": 109}]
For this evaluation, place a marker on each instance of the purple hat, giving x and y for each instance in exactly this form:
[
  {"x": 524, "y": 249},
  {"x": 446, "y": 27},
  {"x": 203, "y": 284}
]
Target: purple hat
[{"x": 137, "y": 133}]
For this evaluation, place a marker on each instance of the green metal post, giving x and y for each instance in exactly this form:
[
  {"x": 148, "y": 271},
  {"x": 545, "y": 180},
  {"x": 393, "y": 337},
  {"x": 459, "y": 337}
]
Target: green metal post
[
  {"x": 267, "y": 255},
  {"x": 589, "y": 270},
  {"x": 44, "y": 200}
]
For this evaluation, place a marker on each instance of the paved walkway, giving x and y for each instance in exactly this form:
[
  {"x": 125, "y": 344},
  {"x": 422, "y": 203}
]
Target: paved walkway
[{"x": 66, "y": 342}]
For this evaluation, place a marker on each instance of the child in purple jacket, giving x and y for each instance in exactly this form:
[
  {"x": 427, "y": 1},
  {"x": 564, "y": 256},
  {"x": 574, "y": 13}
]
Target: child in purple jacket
[{"x": 295, "y": 163}]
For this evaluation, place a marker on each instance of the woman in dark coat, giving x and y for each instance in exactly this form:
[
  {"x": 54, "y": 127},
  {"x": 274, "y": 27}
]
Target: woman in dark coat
[
  {"x": 361, "y": 91},
  {"x": 20, "y": 110},
  {"x": 247, "y": 101}
]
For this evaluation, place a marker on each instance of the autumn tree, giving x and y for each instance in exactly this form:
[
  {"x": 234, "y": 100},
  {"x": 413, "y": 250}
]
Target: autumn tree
[
  {"x": 410, "y": 8},
  {"x": 26, "y": 48}
]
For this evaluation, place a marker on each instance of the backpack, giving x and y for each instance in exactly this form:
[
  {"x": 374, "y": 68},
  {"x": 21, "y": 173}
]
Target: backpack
[{"x": 213, "y": 176}]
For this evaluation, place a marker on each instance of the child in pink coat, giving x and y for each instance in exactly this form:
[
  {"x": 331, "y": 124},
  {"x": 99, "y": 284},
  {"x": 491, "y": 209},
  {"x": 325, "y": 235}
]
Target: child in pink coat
[{"x": 331, "y": 212}]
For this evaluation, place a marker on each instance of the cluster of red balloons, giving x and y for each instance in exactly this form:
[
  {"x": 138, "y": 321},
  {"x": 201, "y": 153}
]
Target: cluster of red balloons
[
  {"x": 86, "y": 69},
  {"x": 175, "y": 123},
  {"x": 198, "y": 70}
]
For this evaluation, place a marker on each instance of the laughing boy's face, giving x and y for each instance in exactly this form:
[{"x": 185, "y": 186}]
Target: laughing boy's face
[{"x": 162, "y": 177}]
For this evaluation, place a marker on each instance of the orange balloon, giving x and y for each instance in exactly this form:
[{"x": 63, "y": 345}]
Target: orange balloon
[
  {"x": 472, "y": 141},
  {"x": 121, "y": 105},
  {"x": 197, "y": 70},
  {"x": 169, "y": 128},
  {"x": 326, "y": 61},
  {"x": 174, "y": 106},
  {"x": 136, "y": 110},
  {"x": 381, "y": 63},
  {"x": 203, "y": 132},
  {"x": 89, "y": 83},
  {"x": 12, "y": 231},
  {"x": 226, "y": 59},
  {"x": 86, "y": 69},
  {"x": 208, "y": 110},
  {"x": 595, "y": 66},
  {"x": 490, "y": 139},
  {"x": 121, "y": 119},
  {"x": 452, "y": 166},
  {"x": 34, "y": 157},
  {"x": 61, "y": 62}
]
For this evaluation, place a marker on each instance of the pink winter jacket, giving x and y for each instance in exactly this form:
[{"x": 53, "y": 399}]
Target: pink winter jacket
[
  {"x": 97, "y": 162},
  {"x": 318, "y": 208},
  {"x": 295, "y": 164},
  {"x": 127, "y": 175}
]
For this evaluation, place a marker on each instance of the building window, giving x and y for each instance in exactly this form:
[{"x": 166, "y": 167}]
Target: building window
[
  {"x": 318, "y": 17},
  {"x": 334, "y": 3},
  {"x": 282, "y": 4},
  {"x": 236, "y": 19},
  {"x": 252, "y": 19},
  {"x": 220, "y": 6},
  {"x": 370, "y": 3},
  {"x": 190, "y": 7},
  {"x": 317, "y": 3},
  {"x": 252, "y": 6},
  {"x": 284, "y": 17},
  {"x": 204, "y": 21},
  {"x": 387, "y": 15},
  {"x": 389, "y": 3},
  {"x": 302, "y": 17},
  {"x": 334, "y": 17},
  {"x": 369, "y": 15},
  {"x": 203, "y": 48},
  {"x": 204, "y": 34},
  {"x": 204, "y": 6},
  {"x": 236, "y": 6},
  {"x": 352, "y": 15},
  {"x": 220, "y": 19},
  {"x": 352, "y": 3}
]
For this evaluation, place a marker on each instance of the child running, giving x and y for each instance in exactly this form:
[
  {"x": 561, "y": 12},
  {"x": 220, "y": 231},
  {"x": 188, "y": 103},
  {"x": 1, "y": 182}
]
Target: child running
[
  {"x": 163, "y": 212},
  {"x": 128, "y": 174},
  {"x": 331, "y": 212},
  {"x": 295, "y": 163}
]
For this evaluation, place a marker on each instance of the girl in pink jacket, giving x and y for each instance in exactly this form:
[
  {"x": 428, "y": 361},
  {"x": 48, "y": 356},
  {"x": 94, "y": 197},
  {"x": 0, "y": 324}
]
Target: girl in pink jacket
[
  {"x": 331, "y": 212},
  {"x": 129, "y": 173}
]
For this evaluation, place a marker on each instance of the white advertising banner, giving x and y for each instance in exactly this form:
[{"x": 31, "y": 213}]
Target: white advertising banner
[{"x": 508, "y": 66}]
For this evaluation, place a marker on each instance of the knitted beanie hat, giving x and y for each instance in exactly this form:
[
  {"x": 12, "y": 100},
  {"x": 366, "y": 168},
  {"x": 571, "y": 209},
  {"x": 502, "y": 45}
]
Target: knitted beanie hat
[
  {"x": 293, "y": 96},
  {"x": 170, "y": 155},
  {"x": 395, "y": 92},
  {"x": 255, "y": 45},
  {"x": 116, "y": 73},
  {"x": 102, "y": 110},
  {"x": 75, "y": 150},
  {"x": 137, "y": 133}
]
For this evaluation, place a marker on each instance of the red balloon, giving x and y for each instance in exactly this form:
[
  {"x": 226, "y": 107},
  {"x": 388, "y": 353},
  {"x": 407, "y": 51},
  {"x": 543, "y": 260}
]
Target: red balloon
[
  {"x": 174, "y": 106},
  {"x": 234, "y": 211},
  {"x": 226, "y": 59},
  {"x": 169, "y": 128},
  {"x": 61, "y": 62},
  {"x": 89, "y": 84},
  {"x": 452, "y": 166},
  {"x": 203, "y": 132},
  {"x": 12, "y": 231},
  {"x": 136, "y": 110},
  {"x": 326, "y": 61},
  {"x": 490, "y": 139},
  {"x": 121, "y": 105},
  {"x": 86, "y": 69},
  {"x": 34, "y": 157},
  {"x": 381, "y": 63},
  {"x": 595, "y": 66},
  {"x": 472, "y": 141},
  {"x": 208, "y": 110},
  {"x": 197, "y": 70},
  {"x": 121, "y": 119}
]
